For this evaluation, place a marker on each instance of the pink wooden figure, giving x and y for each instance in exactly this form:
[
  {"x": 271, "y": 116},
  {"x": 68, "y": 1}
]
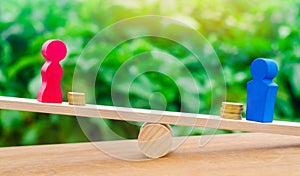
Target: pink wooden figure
[{"x": 50, "y": 91}]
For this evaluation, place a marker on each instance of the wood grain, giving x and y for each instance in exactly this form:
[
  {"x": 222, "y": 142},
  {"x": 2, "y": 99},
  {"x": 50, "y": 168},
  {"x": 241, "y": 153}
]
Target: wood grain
[
  {"x": 143, "y": 115},
  {"x": 155, "y": 139},
  {"x": 225, "y": 155}
]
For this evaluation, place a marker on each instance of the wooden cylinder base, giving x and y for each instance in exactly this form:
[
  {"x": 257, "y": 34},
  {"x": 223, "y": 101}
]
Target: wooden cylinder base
[{"x": 155, "y": 140}]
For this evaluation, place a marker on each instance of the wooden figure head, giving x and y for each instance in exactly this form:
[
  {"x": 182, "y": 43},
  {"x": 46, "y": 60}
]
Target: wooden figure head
[
  {"x": 54, "y": 50},
  {"x": 263, "y": 69}
]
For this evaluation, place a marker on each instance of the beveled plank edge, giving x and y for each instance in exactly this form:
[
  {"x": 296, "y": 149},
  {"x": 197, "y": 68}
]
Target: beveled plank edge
[{"x": 144, "y": 115}]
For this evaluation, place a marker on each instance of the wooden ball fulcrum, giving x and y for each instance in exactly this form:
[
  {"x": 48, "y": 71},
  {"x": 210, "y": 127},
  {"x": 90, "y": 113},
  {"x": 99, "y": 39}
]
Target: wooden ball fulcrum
[{"x": 155, "y": 139}]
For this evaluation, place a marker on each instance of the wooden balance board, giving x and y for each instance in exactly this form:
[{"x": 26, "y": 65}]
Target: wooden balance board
[{"x": 143, "y": 115}]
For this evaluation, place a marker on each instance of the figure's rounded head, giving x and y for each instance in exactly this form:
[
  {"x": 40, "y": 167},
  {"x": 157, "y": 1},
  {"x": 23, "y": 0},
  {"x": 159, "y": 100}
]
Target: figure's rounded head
[
  {"x": 263, "y": 69},
  {"x": 54, "y": 50}
]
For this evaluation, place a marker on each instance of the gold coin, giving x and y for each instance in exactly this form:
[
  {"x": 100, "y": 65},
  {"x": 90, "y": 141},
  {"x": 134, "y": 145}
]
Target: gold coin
[
  {"x": 231, "y": 104},
  {"x": 236, "y": 113},
  {"x": 231, "y": 111},
  {"x": 232, "y": 107},
  {"x": 76, "y": 98},
  {"x": 231, "y": 116}
]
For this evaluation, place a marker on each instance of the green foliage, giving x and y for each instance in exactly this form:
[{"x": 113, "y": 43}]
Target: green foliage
[{"x": 239, "y": 32}]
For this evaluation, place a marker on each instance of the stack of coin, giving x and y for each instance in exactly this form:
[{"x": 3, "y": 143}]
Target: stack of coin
[
  {"x": 231, "y": 110},
  {"x": 76, "y": 98}
]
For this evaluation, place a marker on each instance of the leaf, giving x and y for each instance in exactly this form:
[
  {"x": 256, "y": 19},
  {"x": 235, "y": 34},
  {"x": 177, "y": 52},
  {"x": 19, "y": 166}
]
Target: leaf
[
  {"x": 20, "y": 65},
  {"x": 295, "y": 80},
  {"x": 10, "y": 120},
  {"x": 34, "y": 86},
  {"x": 30, "y": 136}
]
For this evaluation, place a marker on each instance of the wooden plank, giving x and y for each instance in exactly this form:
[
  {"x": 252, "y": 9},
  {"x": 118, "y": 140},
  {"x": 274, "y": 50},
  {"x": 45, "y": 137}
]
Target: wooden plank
[
  {"x": 143, "y": 115},
  {"x": 231, "y": 154}
]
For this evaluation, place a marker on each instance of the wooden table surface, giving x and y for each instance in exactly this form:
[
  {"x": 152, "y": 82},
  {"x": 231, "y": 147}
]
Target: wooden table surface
[{"x": 230, "y": 154}]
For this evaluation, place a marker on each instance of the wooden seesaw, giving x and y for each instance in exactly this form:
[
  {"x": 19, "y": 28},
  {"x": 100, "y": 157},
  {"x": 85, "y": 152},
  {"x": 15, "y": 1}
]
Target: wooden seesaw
[{"x": 155, "y": 136}]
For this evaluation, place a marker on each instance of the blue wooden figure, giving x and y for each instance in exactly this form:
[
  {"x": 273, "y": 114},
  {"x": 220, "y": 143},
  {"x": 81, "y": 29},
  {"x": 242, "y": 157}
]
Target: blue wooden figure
[{"x": 261, "y": 91}]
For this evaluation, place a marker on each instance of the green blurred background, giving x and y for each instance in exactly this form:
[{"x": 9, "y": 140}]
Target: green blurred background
[{"x": 239, "y": 31}]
